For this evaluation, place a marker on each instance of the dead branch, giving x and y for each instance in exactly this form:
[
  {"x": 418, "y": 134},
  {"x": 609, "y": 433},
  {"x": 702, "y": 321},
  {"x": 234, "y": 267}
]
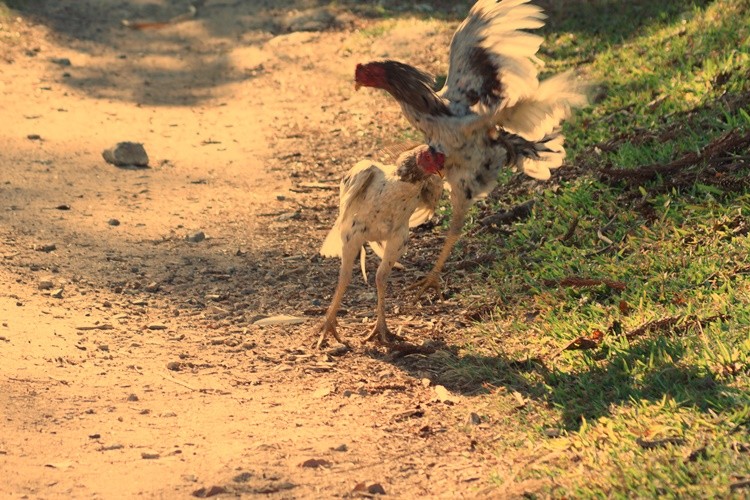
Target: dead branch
[
  {"x": 720, "y": 147},
  {"x": 519, "y": 212}
]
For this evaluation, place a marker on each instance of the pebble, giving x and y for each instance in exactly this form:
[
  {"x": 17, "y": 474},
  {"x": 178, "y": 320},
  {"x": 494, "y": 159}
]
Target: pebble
[
  {"x": 57, "y": 294},
  {"x": 133, "y": 397},
  {"x": 103, "y": 347},
  {"x": 126, "y": 154},
  {"x": 149, "y": 455},
  {"x": 113, "y": 222},
  {"x": 157, "y": 326},
  {"x": 61, "y": 61},
  {"x": 45, "y": 284},
  {"x": 152, "y": 287},
  {"x": 46, "y": 248},
  {"x": 196, "y": 237}
]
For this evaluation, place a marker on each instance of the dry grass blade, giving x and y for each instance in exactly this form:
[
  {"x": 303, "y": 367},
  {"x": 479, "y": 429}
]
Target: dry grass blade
[{"x": 577, "y": 282}]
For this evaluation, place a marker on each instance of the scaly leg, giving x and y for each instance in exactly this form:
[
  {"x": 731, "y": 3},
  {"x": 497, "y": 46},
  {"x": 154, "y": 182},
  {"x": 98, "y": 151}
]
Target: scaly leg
[
  {"x": 432, "y": 280},
  {"x": 393, "y": 250},
  {"x": 345, "y": 275}
]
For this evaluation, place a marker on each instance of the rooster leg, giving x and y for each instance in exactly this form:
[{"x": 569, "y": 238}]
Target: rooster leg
[
  {"x": 329, "y": 324},
  {"x": 432, "y": 280},
  {"x": 392, "y": 251}
]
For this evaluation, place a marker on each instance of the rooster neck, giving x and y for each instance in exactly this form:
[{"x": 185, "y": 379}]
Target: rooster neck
[{"x": 408, "y": 171}]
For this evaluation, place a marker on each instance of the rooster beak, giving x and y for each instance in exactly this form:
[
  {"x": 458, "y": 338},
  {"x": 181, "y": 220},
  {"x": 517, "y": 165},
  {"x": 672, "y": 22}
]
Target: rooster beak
[{"x": 357, "y": 86}]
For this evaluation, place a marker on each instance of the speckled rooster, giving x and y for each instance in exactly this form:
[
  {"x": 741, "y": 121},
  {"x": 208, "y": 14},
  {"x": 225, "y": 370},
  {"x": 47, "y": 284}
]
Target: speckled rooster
[{"x": 491, "y": 113}]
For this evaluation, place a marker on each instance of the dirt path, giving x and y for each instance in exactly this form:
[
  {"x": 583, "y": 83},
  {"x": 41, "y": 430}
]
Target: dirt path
[{"x": 129, "y": 362}]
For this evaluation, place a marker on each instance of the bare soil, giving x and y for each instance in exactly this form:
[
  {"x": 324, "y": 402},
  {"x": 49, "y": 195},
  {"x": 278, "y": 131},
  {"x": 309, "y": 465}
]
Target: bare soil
[{"x": 130, "y": 363}]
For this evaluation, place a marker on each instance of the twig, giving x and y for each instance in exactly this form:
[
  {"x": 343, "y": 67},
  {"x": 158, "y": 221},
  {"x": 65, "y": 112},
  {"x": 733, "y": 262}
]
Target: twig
[
  {"x": 731, "y": 141},
  {"x": 179, "y": 382},
  {"x": 519, "y": 212},
  {"x": 671, "y": 321},
  {"x": 571, "y": 230}
]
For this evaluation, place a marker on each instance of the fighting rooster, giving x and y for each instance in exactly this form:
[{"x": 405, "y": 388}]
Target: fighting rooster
[
  {"x": 378, "y": 203},
  {"x": 492, "y": 111}
]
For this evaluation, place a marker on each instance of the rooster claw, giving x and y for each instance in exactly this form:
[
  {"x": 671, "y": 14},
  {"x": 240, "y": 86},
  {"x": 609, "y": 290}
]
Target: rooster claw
[
  {"x": 327, "y": 327},
  {"x": 431, "y": 281},
  {"x": 383, "y": 335}
]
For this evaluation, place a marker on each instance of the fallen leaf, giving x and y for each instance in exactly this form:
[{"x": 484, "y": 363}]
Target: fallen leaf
[
  {"x": 280, "y": 320},
  {"x": 59, "y": 465},
  {"x": 444, "y": 396},
  {"x": 519, "y": 399},
  {"x": 322, "y": 392}
]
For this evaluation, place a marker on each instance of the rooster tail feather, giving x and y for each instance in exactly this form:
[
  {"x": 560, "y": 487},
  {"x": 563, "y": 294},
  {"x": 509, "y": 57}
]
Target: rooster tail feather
[
  {"x": 333, "y": 244},
  {"x": 539, "y": 114},
  {"x": 420, "y": 216},
  {"x": 536, "y": 158}
]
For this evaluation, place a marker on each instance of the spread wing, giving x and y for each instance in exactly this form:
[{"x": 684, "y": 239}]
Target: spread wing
[{"x": 492, "y": 60}]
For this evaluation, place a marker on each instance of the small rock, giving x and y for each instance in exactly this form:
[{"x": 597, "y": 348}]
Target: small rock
[
  {"x": 133, "y": 397},
  {"x": 126, "y": 154},
  {"x": 209, "y": 492},
  {"x": 174, "y": 366},
  {"x": 64, "y": 206},
  {"x": 474, "y": 419},
  {"x": 152, "y": 287},
  {"x": 94, "y": 436},
  {"x": 196, "y": 237},
  {"x": 242, "y": 477},
  {"x": 426, "y": 382},
  {"x": 50, "y": 247},
  {"x": 57, "y": 294},
  {"x": 113, "y": 222},
  {"x": 551, "y": 432},
  {"x": 61, "y": 61},
  {"x": 156, "y": 326},
  {"x": 103, "y": 347},
  {"x": 341, "y": 447},
  {"x": 149, "y": 455},
  {"x": 45, "y": 284},
  {"x": 34, "y": 137}
]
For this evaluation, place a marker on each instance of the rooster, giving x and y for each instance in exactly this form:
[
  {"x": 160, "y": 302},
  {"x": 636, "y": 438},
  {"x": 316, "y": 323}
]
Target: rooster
[
  {"x": 492, "y": 111},
  {"x": 378, "y": 203}
]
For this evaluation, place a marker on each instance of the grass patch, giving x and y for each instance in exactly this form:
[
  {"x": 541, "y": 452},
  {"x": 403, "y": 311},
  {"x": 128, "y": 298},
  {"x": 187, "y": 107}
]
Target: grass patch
[{"x": 659, "y": 402}]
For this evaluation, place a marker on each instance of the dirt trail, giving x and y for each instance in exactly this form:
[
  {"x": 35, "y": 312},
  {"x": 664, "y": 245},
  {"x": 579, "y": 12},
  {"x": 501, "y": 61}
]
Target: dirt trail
[{"x": 129, "y": 362}]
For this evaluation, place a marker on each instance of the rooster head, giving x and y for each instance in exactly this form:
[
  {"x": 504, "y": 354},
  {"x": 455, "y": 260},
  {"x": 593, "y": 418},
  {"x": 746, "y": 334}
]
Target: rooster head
[
  {"x": 372, "y": 74},
  {"x": 431, "y": 161}
]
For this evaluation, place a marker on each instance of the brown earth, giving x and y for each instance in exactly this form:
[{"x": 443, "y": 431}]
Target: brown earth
[{"x": 130, "y": 363}]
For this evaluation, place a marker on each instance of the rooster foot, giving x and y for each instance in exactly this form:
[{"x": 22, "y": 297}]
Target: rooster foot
[
  {"x": 383, "y": 335},
  {"x": 327, "y": 327},
  {"x": 430, "y": 282}
]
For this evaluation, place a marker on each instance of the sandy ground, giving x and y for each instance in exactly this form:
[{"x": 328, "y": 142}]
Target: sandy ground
[{"x": 130, "y": 363}]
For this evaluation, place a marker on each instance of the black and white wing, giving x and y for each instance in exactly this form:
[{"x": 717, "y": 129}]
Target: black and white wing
[{"x": 493, "y": 60}]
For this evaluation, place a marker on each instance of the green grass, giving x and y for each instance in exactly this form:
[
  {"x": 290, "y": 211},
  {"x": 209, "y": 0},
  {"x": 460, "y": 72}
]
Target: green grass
[{"x": 653, "y": 411}]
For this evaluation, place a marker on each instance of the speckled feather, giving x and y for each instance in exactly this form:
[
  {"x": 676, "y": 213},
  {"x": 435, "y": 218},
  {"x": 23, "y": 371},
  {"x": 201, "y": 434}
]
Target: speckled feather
[{"x": 379, "y": 202}]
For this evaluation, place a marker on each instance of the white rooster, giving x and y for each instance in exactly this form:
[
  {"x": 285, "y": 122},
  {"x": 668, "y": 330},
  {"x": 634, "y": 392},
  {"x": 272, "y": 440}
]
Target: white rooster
[{"x": 378, "y": 203}]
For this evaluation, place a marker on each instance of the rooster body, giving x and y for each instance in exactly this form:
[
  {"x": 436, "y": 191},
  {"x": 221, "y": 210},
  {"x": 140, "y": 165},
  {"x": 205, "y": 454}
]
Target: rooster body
[
  {"x": 378, "y": 203},
  {"x": 492, "y": 111}
]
